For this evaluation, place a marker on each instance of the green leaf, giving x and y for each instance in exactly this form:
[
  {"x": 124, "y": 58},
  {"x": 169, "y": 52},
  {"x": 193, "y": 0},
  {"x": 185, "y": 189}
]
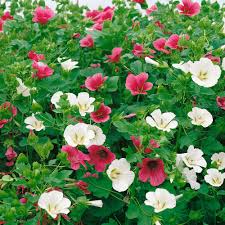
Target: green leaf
[
  {"x": 112, "y": 83},
  {"x": 43, "y": 147},
  {"x": 100, "y": 187},
  {"x": 136, "y": 67},
  {"x": 132, "y": 211}
]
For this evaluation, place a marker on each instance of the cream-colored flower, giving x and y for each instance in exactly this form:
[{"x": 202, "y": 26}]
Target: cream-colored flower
[
  {"x": 193, "y": 159},
  {"x": 185, "y": 67},
  {"x": 200, "y": 117},
  {"x": 219, "y": 159},
  {"x": 205, "y": 73},
  {"x": 84, "y": 103},
  {"x": 22, "y": 88},
  {"x": 160, "y": 200},
  {"x": 54, "y": 203},
  {"x": 162, "y": 121},
  {"x": 56, "y": 98},
  {"x": 120, "y": 174},
  {"x": 69, "y": 65},
  {"x": 34, "y": 124},
  {"x": 79, "y": 134},
  {"x": 214, "y": 177},
  {"x": 99, "y": 137}
]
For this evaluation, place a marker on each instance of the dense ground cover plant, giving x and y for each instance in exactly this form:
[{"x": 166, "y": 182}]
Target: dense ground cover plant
[{"x": 112, "y": 116}]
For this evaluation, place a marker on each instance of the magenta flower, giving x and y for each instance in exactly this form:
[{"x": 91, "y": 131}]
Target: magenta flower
[
  {"x": 189, "y": 8},
  {"x": 9, "y": 111},
  {"x": 139, "y": 1},
  {"x": 172, "y": 41},
  {"x": 43, "y": 70},
  {"x": 75, "y": 157},
  {"x": 10, "y": 154},
  {"x": 7, "y": 16},
  {"x": 138, "y": 50},
  {"x": 102, "y": 114},
  {"x": 152, "y": 170},
  {"x": 87, "y": 42},
  {"x": 152, "y": 9},
  {"x": 136, "y": 142},
  {"x": 137, "y": 84},
  {"x": 100, "y": 156},
  {"x": 115, "y": 56},
  {"x": 35, "y": 57},
  {"x": 95, "y": 82},
  {"x": 43, "y": 15},
  {"x": 160, "y": 44},
  {"x": 221, "y": 102}
]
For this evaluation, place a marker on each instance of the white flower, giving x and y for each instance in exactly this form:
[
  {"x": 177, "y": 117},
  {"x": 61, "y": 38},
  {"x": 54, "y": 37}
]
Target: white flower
[
  {"x": 223, "y": 64},
  {"x": 151, "y": 61},
  {"x": 34, "y": 124},
  {"x": 214, "y": 177},
  {"x": 219, "y": 159},
  {"x": 191, "y": 177},
  {"x": 161, "y": 199},
  {"x": 69, "y": 65},
  {"x": 193, "y": 159},
  {"x": 96, "y": 203},
  {"x": 162, "y": 121},
  {"x": 56, "y": 98},
  {"x": 205, "y": 73},
  {"x": 84, "y": 103},
  {"x": 200, "y": 117},
  {"x": 79, "y": 134},
  {"x": 185, "y": 67},
  {"x": 120, "y": 174},
  {"x": 99, "y": 137},
  {"x": 22, "y": 88},
  {"x": 54, "y": 203}
]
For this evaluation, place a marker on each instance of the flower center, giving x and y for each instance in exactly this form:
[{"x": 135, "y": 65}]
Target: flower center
[
  {"x": 115, "y": 173},
  {"x": 102, "y": 154},
  {"x": 79, "y": 139},
  {"x": 202, "y": 75},
  {"x": 152, "y": 164},
  {"x": 160, "y": 205},
  {"x": 216, "y": 180}
]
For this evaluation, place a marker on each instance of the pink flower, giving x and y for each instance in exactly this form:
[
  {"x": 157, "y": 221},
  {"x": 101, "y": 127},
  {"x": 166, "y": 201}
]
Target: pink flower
[
  {"x": 76, "y": 35},
  {"x": 23, "y": 200},
  {"x": 116, "y": 54},
  {"x": 138, "y": 50},
  {"x": 131, "y": 115},
  {"x": 137, "y": 84},
  {"x": 10, "y": 154},
  {"x": 88, "y": 174},
  {"x": 10, "y": 163},
  {"x": 97, "y": 26},
  {"x": 152, "y": 144},
  {"x": 35, "y": 57},
  {"x": 221, "y": 102},
  {"x": 1, "y": 25},
  {"x": 83, "y": 186},
  {"x": 160, "y": 25},
  {"x": 215, "y": 59},
  {"x": 92, "y": 14},
  {"x": 189, "y": 8},
  {"x": 152, "y": 170},
  {"x": 43, "y": 15},
  {"x": 75, "y": 157},
  {"x": 172, "y": 42},
  {"x": 100, "y": 156},
  {"x": 160, "y": 44},
  {"x": 102, "y": 114},
  {"x": 9, "y": 111},
  {"x": 43, "y": 70},
  {"x": 136, "y": 142},
  {"x": 7, "y": 16},
  {"x": 152, "y": 9},
  {"x": 139, "y": 1},
  {"x": 95, "y": 65},
  {"x": 106, "y": 14},
  {"x": 87, "y": 42},
  {"x": 95, "y": 82}
]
